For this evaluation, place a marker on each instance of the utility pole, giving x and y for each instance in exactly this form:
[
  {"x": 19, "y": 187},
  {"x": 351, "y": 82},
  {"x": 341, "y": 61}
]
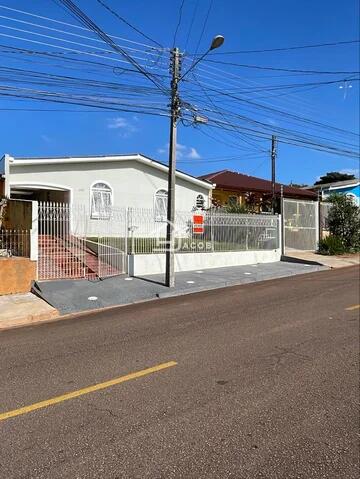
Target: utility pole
[
  {"x": 175, "y": 111},
  {"x": 273, "y": 173}
]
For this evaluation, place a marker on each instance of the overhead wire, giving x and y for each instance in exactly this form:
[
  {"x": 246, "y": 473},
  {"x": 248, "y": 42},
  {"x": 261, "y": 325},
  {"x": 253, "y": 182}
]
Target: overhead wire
[
  {"x": 84, "y": 19},
  {"x": 179, "y": 21},
  {"x": 203, "y": 27},
  {"x": 122, "y": 19},
  {"x": 191, "y": 23},
  {"x": 75, "y": 26},
  {"x": 282, "y": 49}
]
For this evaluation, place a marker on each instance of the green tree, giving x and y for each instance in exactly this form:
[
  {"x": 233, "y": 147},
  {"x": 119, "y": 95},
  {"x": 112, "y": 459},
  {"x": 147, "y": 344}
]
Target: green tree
[
  {"x": 333, "y": 176},
  {"x": 344, "y": 221}
]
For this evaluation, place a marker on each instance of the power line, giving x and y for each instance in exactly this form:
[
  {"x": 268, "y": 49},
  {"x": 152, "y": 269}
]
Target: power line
[
  {"x": 179, "y": 21},
  {"x": 191, "y": 23},
  {"x": 70, "y": 50},
  {"x": 83, "y": 18},
  {"x": 258, "y": 67},
  {"x": 37, "y": 25},
  {"x": 281, "y": 112},
  {"x": 65, "y": 40},
  {"x": 71, "y": 25},
  {"x": 316, "y": 45},
  {"x": 203, "y": 27},
  {"x": 122, "y": 19}
]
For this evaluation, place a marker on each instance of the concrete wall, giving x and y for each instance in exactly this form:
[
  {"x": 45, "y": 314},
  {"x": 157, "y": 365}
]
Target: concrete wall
[
  {"x": 134, "y": 184},
  {"x": 144, "y": 264},
  {"x": 16, "y": 275}
]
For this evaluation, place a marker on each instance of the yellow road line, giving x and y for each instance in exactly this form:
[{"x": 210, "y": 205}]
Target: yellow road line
[
  {"x": 352, "y": 308},
  {"x": 87, "y": 390}
]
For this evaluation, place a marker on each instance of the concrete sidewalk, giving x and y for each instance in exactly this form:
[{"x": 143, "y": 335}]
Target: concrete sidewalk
[
  {"x": 24, "y": 309},
  {"x": 73, "y": 296},
  {"x": 339, "y": 261}
]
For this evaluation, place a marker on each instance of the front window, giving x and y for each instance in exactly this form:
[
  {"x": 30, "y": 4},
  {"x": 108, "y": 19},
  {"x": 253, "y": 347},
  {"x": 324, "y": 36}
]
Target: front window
[
  {"x": 101, "y": 200},
  {"x": 232, "y": 200},
  {"x": 160, "y": 207}
]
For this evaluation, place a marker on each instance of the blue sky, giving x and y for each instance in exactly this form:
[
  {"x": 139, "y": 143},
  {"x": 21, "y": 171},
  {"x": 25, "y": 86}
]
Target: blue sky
[{"x": 246, "y": 25}]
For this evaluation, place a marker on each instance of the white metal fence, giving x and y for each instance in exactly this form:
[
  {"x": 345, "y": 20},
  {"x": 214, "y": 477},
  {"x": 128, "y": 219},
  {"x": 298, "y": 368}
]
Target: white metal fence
[
  {"x": 301, "y": 227},
  {"x": 15, "y": 243},
  {"x": 72, "y": 244},
  {"x": 220, "y": 232}
]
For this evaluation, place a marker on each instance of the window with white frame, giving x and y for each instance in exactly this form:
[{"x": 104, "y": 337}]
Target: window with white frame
[
  {"x": 101, "y": 200},
  {"x": 160, "y": 205},
  {"x": 232, "y": 200},
  {"x": 200, "y": 202}
]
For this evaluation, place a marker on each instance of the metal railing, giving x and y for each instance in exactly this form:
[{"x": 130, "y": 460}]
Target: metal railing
[
  {"x": 15, "y": 243},
  {"x": 220, "y": 232}
]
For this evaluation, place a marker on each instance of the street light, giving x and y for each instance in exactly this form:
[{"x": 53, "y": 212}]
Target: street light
[{"x": 217, "y": 41}]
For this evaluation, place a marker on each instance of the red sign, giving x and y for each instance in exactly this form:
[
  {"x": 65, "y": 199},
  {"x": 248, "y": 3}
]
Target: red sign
[{"x": 198, "y": 224}]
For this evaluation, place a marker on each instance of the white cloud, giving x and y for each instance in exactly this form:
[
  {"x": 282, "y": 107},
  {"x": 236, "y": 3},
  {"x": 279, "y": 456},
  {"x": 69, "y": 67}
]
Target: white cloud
[
  {"x": 194, "y": 154},
  {"x": 351, "y": 171},
  {"x": 120, "y": 123},
  {"x": 182, "y": 151}
]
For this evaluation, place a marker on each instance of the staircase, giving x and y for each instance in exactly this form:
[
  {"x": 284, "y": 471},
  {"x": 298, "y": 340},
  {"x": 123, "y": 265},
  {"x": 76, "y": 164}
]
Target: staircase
[{"x": 69, "y": 258}]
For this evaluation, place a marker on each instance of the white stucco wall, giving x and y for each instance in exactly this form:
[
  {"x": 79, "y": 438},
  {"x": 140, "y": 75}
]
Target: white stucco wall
[
  {"x": 144, "y": 264},
  {"x": 134, "y": 184}
]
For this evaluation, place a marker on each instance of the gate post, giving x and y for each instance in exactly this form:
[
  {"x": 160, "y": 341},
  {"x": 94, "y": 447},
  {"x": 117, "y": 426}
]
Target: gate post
[
  {"x": 282, "y": 221},
  {"x": 318, "y": 223},
  {"x": 34, "y": 250}
]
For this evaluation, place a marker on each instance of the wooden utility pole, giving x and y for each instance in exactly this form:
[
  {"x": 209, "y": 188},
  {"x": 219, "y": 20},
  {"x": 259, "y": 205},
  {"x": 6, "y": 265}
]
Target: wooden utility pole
[
  {"x": 175, "y": 110},
  {"x": 273, "y": 173}
]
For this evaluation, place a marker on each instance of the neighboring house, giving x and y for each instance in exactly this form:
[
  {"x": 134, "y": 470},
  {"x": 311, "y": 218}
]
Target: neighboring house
[
  {"x": 235, "y": 188},
  {"x": 350, "y": 188},
  {"x": 102, "y": 181}
]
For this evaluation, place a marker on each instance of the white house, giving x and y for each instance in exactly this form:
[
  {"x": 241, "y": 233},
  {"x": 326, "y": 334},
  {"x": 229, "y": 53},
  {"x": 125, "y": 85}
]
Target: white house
[{"x": 101, "y": 181}]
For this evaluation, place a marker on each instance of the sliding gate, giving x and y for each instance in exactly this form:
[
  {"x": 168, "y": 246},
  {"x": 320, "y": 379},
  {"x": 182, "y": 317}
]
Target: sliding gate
[
  {"x": 72, "y": 244},
  {"x": 300, "y": 225}
]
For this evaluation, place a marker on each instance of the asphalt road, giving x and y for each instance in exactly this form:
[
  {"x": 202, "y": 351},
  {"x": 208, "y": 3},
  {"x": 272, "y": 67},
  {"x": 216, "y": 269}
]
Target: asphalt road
[{"x": 265, "y": 386}]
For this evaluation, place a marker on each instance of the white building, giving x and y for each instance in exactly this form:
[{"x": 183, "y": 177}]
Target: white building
[{"x": 101, "y": 181}]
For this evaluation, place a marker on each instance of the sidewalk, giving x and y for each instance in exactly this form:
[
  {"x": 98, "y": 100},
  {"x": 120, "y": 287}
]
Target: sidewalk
[
  {"x": 341, "y": 261},
  {"x": 24, "y": 309},
  {"x": 73, "y": 296}
]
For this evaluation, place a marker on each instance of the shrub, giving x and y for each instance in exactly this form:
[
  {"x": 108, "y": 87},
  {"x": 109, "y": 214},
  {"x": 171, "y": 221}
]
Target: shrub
[
  {"x": 344, "y": 221},
  {"x": 237, "y": 208},
  {"x": 331, "y": 245}
]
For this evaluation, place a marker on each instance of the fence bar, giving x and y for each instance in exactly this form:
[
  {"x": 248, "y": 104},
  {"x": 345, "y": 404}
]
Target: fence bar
[{"x": 15, "y": 243}]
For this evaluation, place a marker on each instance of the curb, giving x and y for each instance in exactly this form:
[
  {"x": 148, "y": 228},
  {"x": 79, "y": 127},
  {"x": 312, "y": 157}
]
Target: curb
[{"x": 165, "y": 295}]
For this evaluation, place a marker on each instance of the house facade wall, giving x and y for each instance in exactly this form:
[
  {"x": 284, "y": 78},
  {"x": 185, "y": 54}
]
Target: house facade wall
[
  {"x": 352, "y": 190},
  {"x": 221, "y": 196},
  {"x": 134, "y": 184}
]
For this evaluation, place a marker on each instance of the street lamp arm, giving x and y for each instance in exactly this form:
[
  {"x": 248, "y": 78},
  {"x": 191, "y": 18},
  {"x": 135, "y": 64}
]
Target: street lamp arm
[
  {"x": 217, "y": 41},
  {"x": 194, "y": 64}
]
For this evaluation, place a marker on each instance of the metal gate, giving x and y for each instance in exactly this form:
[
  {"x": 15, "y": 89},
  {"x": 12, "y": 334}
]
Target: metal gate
[
  {"x": 300, "y": 224},
  {"x": 72, "y": 244}
]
